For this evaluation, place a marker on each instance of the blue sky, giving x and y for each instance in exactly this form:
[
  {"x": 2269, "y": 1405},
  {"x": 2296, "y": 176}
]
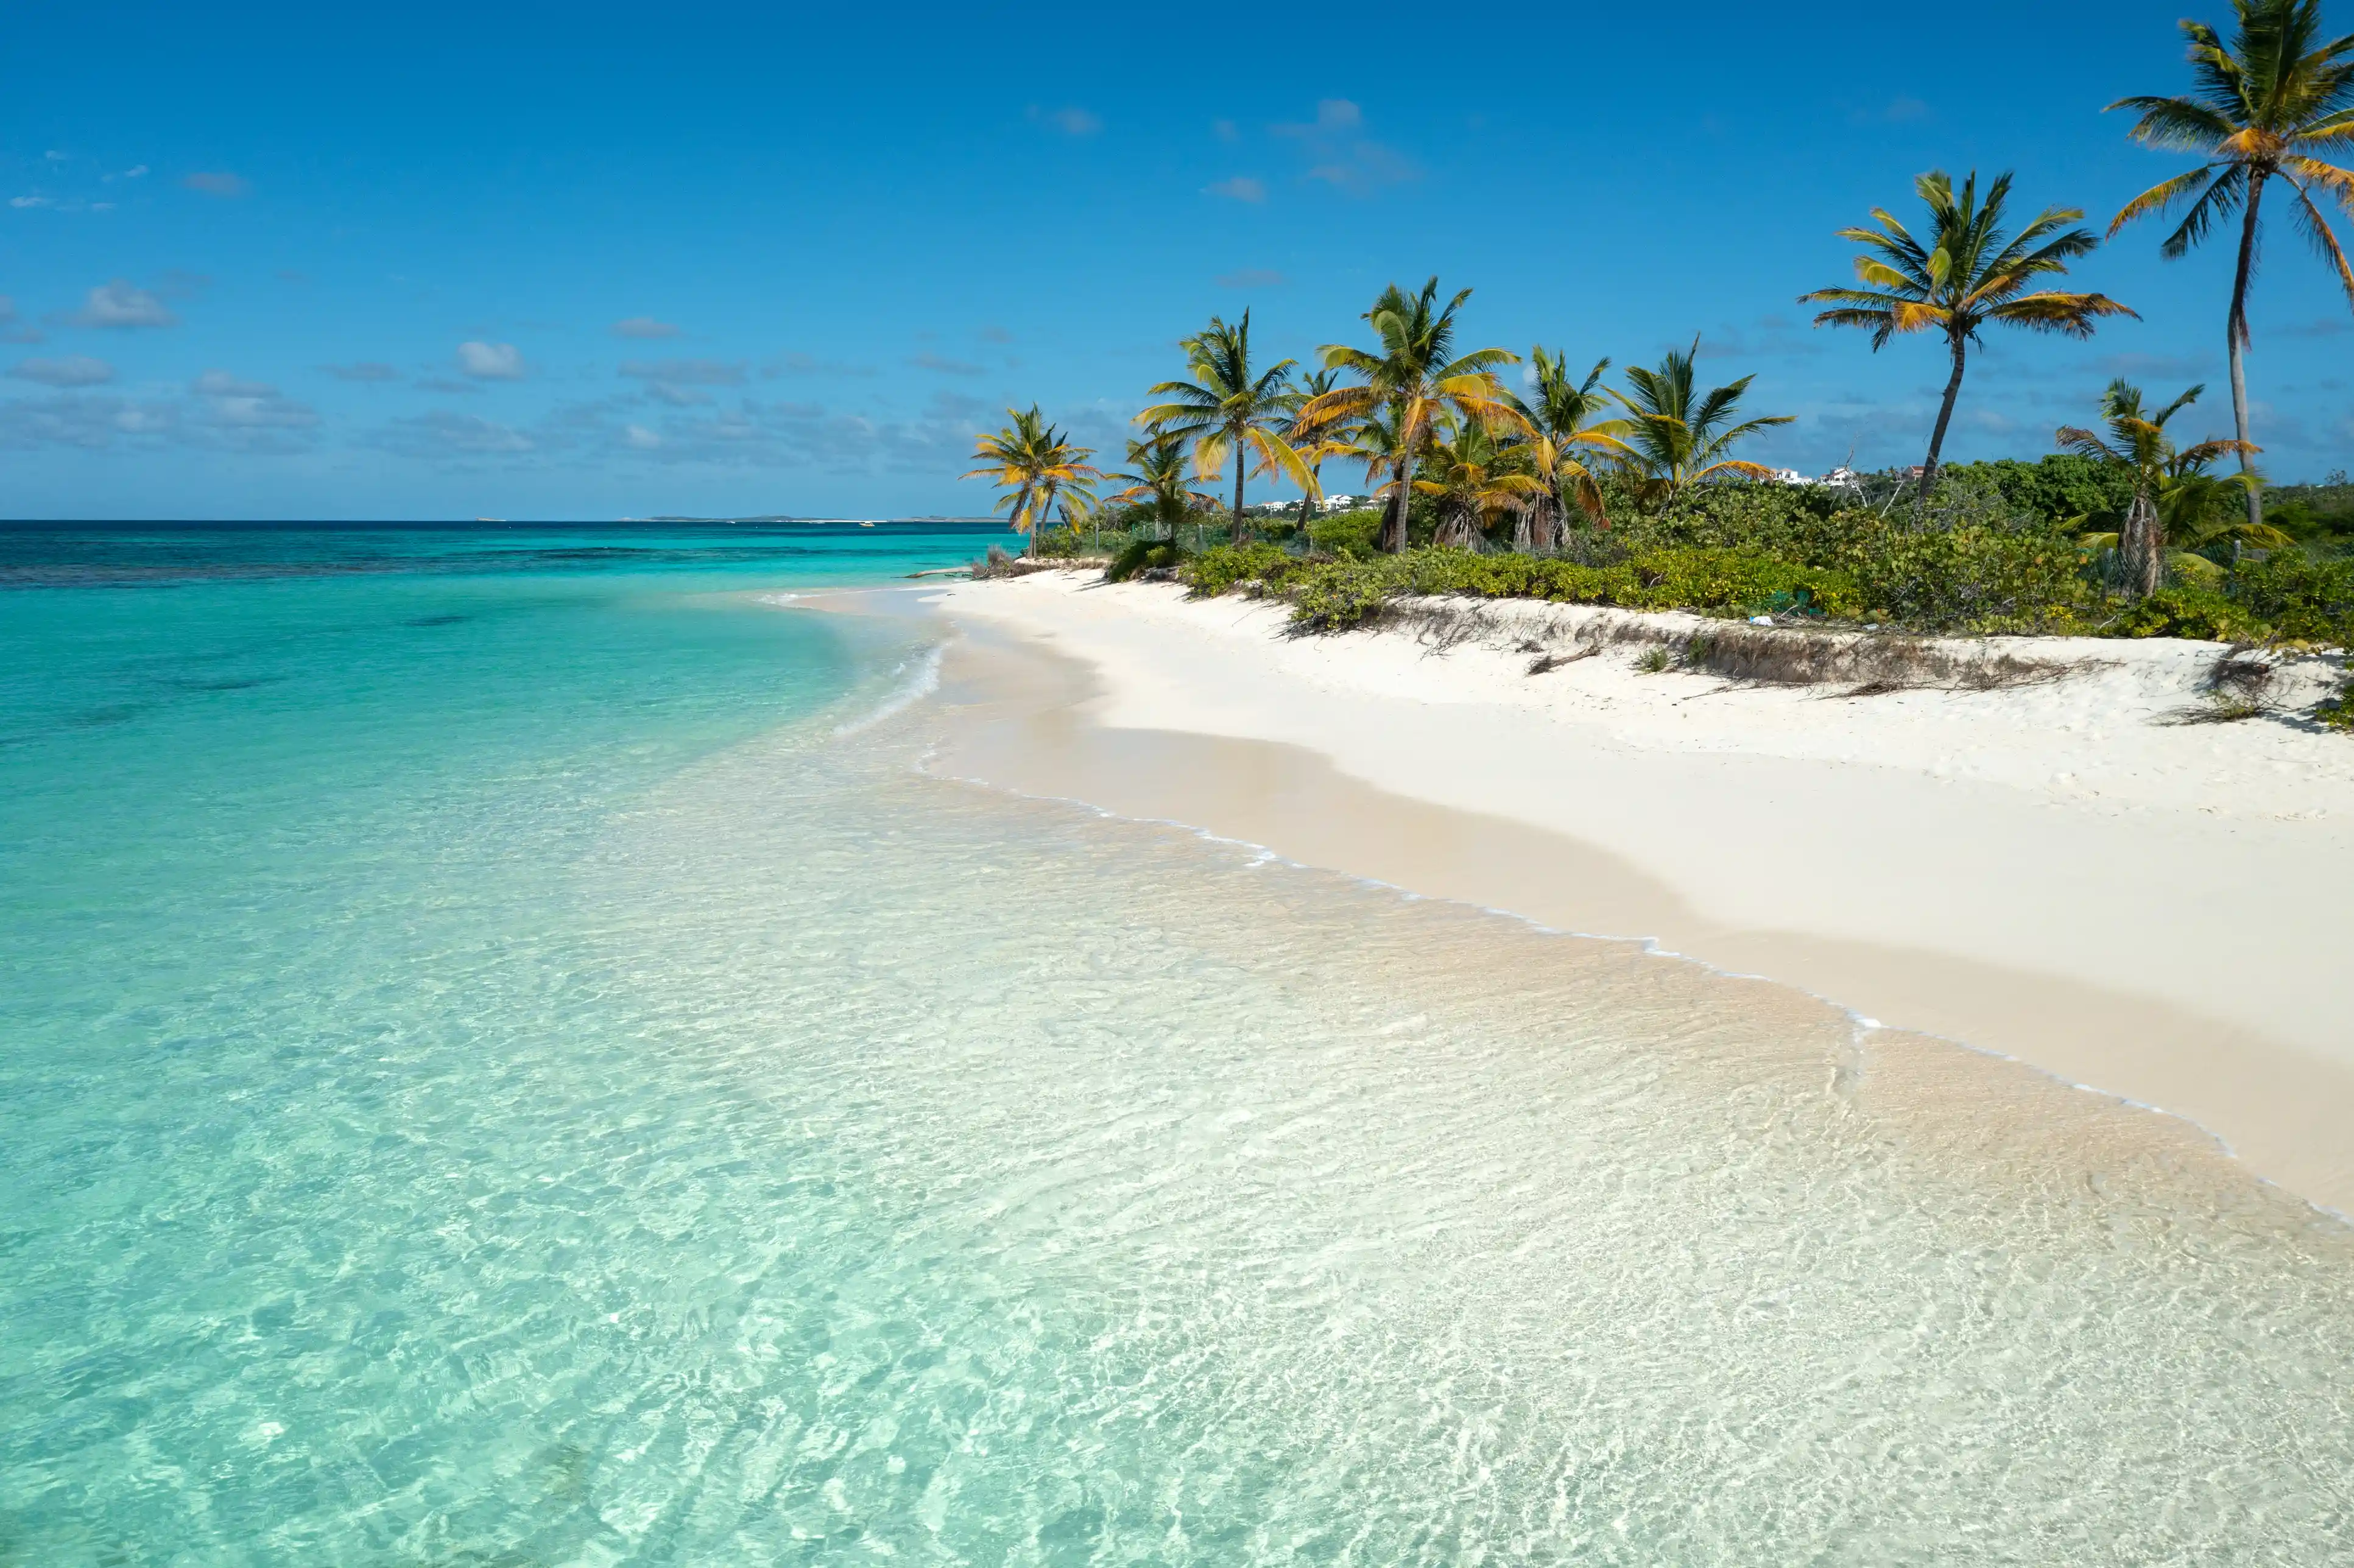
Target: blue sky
[{"x": 595, "y": 261}]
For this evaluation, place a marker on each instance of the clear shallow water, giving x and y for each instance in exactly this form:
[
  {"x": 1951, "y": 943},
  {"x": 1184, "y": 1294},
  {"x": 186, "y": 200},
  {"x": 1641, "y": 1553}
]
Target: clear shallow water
[{"x": 490, "y": 1072}]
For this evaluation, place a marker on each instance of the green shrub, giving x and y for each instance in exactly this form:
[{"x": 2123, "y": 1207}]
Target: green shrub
[
  {"x": 2185, "y": 610},
  {"x": 1347, "y": 533},
  {"x": 2299, "y": 597},
  {"x": 1220, "y": 566},
  {"x": 1144, "y": 555}
]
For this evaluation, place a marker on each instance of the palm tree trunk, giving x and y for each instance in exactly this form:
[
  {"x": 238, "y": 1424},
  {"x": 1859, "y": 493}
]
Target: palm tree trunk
[
  {"x": 1945, "y": 418},
  {"x": 1395, "y": 528},
  {"x": 1236, "y": 531},
  {"x": 1315, "y": 477},
  {"x": 1038, "y": 524},
  {"x": 2237, "y": 332},
  {"x": 2144, "y": 558}
]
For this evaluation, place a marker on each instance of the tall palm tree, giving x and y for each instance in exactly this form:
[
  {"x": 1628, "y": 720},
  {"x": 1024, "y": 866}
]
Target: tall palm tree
[
  {"x": 1012, "y": 459},
  {"x": 2264, "y": 105},
  {"x": 1970, "y": 272},
  {"x": 1478, "y": 480},
  {"x": 2162, "y": 475},
  {"x": 1678, "y": 436},
  {"x": 1416, "y": 376},
  {"x": 1029, "y": 460},
  {"x": 1561, "y": 412},
  {"x": 1156, "y": 477},
  {"x": 1228, "y": 406},
  {"x": 1314, "y": 442}
]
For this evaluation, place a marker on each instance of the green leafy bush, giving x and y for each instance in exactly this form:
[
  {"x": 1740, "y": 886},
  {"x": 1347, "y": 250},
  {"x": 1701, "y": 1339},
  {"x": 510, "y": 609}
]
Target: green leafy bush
[
  {"x": 1145, "y": 554},
  {"x": 2299, "y": 597},
  {"x": 1347, "y": 533},
  {"x": 2187, "y": 610},
  {"x": 1220, "y": 566}
]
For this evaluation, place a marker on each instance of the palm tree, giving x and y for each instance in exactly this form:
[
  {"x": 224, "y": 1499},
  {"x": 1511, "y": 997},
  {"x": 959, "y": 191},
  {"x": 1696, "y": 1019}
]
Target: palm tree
[
  {"x": 1560, "y": 414},
  {"x": 1677, "y": 437},
  {"x": 1313, "y": 442},
  {"x": 2137, "y": 442},
  {"x": 1969, "y": 273},
  {"x": 1012, "y": 459},
  {"x": 2264, "y": 105},
  {"x": 1156, "y": 476},
  {"x": 1030, "y": 460},
  {"x": 1478, "y": 479},
  {"x": 1416, "y": 376},
  {"x": 1227, "y": 407}
]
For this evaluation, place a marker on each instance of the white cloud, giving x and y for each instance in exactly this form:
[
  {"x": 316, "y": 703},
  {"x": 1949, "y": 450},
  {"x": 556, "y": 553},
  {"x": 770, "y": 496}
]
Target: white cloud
[
  {"x": 74, "y": 370},
  {"x": 249, "y": 407},
  {"x": 490, "y": 360},
  {"x": 219, "y": 183},
  {"x": 218, "y": 410},
  {"x": 30, "y": 201},
  {"x": 1242, "y": 187},
  {"x": 119, "y": 304},
  {"x": 643, "y": 326},
  {"x": 637, "y": 437},
  {"x": 1341, "y": 156},
  {"x": 365, "y": 370}
]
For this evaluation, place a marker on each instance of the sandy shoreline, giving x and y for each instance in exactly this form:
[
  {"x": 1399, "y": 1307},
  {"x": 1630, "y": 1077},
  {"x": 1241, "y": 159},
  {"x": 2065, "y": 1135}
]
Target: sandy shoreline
[{"x": 2051, "y": 872}]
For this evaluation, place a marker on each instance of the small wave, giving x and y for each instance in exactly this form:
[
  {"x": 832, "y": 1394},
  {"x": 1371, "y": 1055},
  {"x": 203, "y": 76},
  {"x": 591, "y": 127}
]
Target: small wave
[{"x": 921, "y": 682}]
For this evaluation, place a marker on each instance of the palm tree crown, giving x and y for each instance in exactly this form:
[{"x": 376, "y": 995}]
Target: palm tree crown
[
  {"x": 1561, "y": 415},
  {"x": 2164, "y": 476},
  {"x": 2264, "y": 106},
  {"x": 1229, "y": 407},
  {"x": 1969, "y": 270},
  {"x": 1678, "y": 435},
  {"x": 1030, "y": 460},
  {"x": 1413, "y": 379},
  {"x": 1478, "y": 479},
  {"x": 1156, "y": 477}
]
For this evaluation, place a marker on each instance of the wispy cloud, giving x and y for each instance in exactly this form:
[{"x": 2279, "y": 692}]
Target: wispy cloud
[
  {"x": 1341, "y": 155},
  {"x": 643, "y": 326},
  {"x": 1242, "y": 187},
  {"x": 1070, "y": 120},
  {"x": 490, "y": 360},
  {"x": 74, "y": 370},
  {"x": 219, "y": 183},
  {"x": 685, "y": 372},
  {"x": 947, "y": 366},
  {"x": 2175, "y": 366},
  {"x": 218, "y": 410},
  {"x": 1897, "y": 111},
  {"x": 120, "y": 304},
  {"x": 994, "y": 335},
  {"x": 1252, "y": 278},
  {"x": 364, "y": 370},
  {"x": 13, "y": 327},
  {"x": 810, "y": 365},
  {"x": 443, "y": 434}
]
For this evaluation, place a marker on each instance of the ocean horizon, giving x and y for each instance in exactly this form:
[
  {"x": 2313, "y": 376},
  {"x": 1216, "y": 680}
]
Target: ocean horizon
[{"x": 513, "y": 1053}]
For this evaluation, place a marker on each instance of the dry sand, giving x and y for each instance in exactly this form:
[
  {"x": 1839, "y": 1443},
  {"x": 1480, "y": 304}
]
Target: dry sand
[{"x": 2060, "y": 870}]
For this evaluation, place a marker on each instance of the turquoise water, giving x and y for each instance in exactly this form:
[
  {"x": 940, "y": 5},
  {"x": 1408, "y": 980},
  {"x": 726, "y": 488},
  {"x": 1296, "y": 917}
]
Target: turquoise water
[{"x": 506, "y": 1057}]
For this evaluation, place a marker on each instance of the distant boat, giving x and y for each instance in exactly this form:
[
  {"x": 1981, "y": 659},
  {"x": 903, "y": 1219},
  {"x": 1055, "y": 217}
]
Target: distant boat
[{"x": 866, "y": 524}]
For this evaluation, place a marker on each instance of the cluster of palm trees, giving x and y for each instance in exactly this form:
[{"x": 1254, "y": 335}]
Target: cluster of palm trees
[
  {"x": 1420, "y": 418},
  {"x": 1426, "y": 420}
]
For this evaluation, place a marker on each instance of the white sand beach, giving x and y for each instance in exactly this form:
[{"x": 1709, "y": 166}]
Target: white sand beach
[{"x": 2060, "y": 871}]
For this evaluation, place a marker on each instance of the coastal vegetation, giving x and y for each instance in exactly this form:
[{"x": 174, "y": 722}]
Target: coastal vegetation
[{"x": 1646, "y": 495}]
